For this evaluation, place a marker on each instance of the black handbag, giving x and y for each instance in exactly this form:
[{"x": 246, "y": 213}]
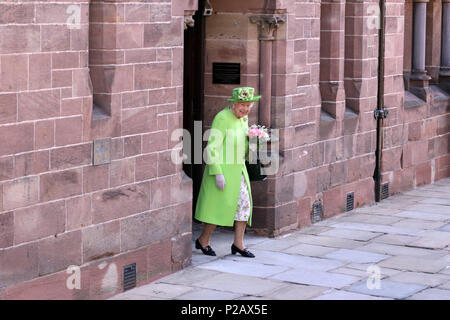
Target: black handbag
[{"x": 255, "y": 169}]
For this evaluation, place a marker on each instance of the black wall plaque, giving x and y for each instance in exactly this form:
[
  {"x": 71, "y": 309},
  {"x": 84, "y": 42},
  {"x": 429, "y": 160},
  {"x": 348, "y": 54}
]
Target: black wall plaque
[{"x": 226, "y": 73}]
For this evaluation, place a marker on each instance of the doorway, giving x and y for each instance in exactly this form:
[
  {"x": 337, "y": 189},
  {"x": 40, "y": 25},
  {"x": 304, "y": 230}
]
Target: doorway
[{"x": 193, "y": 93}]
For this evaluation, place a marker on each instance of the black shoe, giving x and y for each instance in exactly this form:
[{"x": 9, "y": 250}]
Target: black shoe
[
  {"x": 207, "y": 250},
  {"x": 244, "y": 253}
]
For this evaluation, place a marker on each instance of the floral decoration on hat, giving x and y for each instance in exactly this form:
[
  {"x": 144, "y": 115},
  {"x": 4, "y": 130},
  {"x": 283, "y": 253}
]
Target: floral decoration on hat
[{"x": 244, "y": 94}]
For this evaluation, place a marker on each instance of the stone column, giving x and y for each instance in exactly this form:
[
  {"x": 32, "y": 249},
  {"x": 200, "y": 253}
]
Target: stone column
[
  {"x": 434, "y": 36},
  {"x": 267, "y": 26},
  {"x": 419, "y": 75},
  {"x": 445, "y": 52}
]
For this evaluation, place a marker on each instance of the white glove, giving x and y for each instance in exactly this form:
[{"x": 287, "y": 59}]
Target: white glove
[{"x": 220, "y": 181}]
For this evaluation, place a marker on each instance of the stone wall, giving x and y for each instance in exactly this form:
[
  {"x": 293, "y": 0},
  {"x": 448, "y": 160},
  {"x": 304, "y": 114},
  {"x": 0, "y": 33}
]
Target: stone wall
[
  {"x": 420, "y": 151},
  {"x": 117, "y": 75},
  {"x": 230, "y": 38},
  {"x": 58, "y": 209},
  {"x": 323, "y": 98}
]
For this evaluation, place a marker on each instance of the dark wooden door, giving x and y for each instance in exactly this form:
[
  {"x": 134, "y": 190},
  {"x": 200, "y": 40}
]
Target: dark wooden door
[{"x": 194, "y": 52}]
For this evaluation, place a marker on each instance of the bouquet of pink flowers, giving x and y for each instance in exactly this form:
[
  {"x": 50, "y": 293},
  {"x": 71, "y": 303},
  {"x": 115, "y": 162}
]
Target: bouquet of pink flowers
[
  {"x": 258, "y": 137},
  {"x": 259, "y": 132}
]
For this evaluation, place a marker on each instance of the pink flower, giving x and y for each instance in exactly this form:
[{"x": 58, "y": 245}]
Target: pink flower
[{"x": 258, "y": 132}]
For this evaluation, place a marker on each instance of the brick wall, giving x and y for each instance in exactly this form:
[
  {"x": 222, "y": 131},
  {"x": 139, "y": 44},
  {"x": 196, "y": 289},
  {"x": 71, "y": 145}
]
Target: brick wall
[
  {"x": 118, "y": 76},
  {"x": 56, "y": 208},
  {"x": 416, "y": 147},
  {"x": 328, "y": 149}
]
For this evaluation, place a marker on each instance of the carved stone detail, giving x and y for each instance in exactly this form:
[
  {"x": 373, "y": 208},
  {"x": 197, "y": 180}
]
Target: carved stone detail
[
  {"x": 445, "y": 55},
  {"x": 188, "y": 18},
  {"x": 267, "y": 25}
]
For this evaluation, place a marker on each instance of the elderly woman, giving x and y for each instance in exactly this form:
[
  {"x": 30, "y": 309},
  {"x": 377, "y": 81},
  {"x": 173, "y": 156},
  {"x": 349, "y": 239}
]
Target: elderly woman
[{"x": 225, "y": 196}]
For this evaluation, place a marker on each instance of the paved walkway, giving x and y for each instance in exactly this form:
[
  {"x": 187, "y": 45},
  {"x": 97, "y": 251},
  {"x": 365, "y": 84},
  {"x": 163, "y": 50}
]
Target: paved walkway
[{"x": 396, "y": 249}]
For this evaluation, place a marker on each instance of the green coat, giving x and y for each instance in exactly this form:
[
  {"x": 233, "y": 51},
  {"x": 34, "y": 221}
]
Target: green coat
[{"x": 216, "y": 206}]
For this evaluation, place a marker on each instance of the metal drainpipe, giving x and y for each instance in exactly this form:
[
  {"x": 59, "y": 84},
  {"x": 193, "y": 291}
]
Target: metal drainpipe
[{"x": 380, "y": 113}]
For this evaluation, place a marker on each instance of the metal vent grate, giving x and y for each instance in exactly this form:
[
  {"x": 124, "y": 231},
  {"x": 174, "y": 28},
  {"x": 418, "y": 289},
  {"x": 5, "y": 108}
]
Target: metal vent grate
[
  {"x": 129, "y": 276},
  {"x": 385, "y": 190},
  {"x": 317, "y": 212},
  {"x": 350, "y": 201}
]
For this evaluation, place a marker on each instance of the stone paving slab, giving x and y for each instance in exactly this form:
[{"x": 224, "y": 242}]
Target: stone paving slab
[
  {"x": 385, "y": 272},
  {"x": 371, "y": 218},
  {"x": 430, "y": 208},
  {"x": 207, "y": 294},
  {"x": 131, "y": 296},
  {"x": 445, "y": 228},
  {"x": 377, "y": 228},
  {"x": 390, "y": 204},
  {"x": 296, "y": 292},
  {"x": 430, "y": 243},
  {"x": 432, "y": 294},
  {"x": 356, "y": 256},
  {"x": 422, "y": 215},
  {"x": 289, "y": 260},
  {"x": 250, "y": 297},
  {"x": 385, "y": 212},
  {"x": 426, "y": 279},
  {"x": 395, "y": 250},
  {"x": 378, "y": 210},
  {"x": 352, "y": 272},
  {"x": 442, "y": 235},
  {"x": 316, "y": 278},
  {"x": 418, "y": 224},
  {"x": 189, "y": 276},
  {"x": 240, "y": 284},
  {"x": 309, "y": 250},
  {"x": 432, "y": 239},
  {"x": 161, "y": 290},
  {"x": 394, "y": 239},
  {"x": 328, "y": 222},
  {"x": 345, "y": 295},
  {"x": 200, "y": 258},
  {"x": 418, "y": 264},
  {"x": 274, "y": 245},
  {"x": 389, "y": 289},
  {"x": 435, "y": 187},
  {"x": 351, "y": 234},
  {"x": 314, "y": 229},
  {"x": 399, "y": 197},
  {"x": 446, "y": 270},
  {"x": 445, "y": 286},
  {"x": 441, "y": 183},
  {"x": 436, "y": 201},
  {"x": 328, "y": 241},
  {"x": 406, "y": 235},
  {"x": 250, "y": 268},
  {"x": 427, "y": 194}
]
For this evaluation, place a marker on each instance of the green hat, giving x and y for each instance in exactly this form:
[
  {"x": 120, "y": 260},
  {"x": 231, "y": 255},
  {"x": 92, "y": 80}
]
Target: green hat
[{"x": 244, "y": 94}]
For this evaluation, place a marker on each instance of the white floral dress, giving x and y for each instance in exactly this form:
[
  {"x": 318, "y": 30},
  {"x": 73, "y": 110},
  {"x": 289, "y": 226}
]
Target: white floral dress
[{"x": 243, "y": 206}]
